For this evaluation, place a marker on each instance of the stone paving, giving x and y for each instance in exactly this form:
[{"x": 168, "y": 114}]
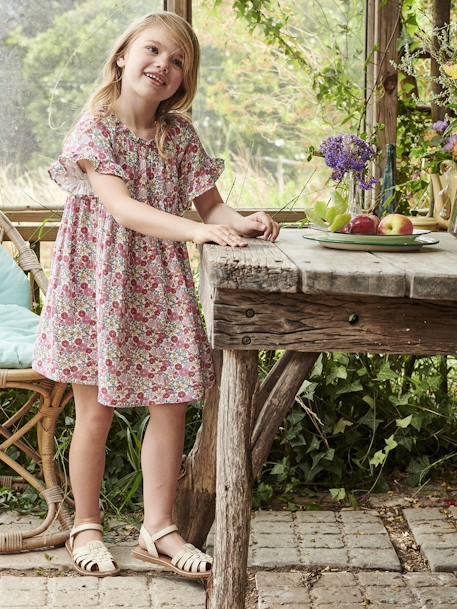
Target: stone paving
[
  {"x": 313, "y": 539},
  {"x": 436, "y": 535},
  {"x": 345, "y": 590},
  {"x": 80, "y": 592},
  {"x": 328, "y": 560}
]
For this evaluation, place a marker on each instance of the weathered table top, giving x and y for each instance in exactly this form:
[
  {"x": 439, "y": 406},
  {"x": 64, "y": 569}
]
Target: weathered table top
[
  {"x": 294, "y": 264},
  {"x": 295, "y": 294}
]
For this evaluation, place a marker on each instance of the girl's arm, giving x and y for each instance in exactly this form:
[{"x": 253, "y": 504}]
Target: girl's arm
[
  {"x": 143, "y": 218},
  {"x": 213, "y": 210}
]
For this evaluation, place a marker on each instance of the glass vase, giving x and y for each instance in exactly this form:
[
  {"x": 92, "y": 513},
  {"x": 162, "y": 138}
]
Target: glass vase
[{"x": 355, "y": 196}]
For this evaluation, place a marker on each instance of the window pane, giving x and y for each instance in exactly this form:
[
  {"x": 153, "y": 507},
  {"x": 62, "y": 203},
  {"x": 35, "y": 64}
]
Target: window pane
[
  {"x": 259, "y": 110},
  {"x": 52, "y": 53}
]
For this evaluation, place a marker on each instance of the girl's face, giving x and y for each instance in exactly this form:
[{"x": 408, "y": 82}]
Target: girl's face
[{"x": 152, "y": 65}]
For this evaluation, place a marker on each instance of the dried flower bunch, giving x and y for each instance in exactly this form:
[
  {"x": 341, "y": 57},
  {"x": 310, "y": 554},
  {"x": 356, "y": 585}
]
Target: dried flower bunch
[{"x": 349, "y": 154}]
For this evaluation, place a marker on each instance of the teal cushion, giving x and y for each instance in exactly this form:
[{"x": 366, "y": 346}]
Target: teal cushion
[
  {"x": 18, "y": 332},
  {"x": 14, "y": 284}
]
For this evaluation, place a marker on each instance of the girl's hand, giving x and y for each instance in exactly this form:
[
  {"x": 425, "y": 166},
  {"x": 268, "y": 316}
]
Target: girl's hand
[
  {"x": 217, "y": 233},
  {"x": 258, "y": 224}
]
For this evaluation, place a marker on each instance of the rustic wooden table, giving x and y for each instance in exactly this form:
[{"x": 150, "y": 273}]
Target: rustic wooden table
[{"x": 298, "y": 296}]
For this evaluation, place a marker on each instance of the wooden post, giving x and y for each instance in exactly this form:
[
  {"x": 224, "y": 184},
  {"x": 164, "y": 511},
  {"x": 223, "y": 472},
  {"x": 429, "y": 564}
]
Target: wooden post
[
  {"x": 386, "y": 104},
  {"x": 369, "y": 71},
  {"x": 196, "y": 493},
  {"x": 382, "y": 97},
  {"x": 227, "y": 590},
  {"x": 180, "y": 7},
  {"x": 441, "y": 18}
]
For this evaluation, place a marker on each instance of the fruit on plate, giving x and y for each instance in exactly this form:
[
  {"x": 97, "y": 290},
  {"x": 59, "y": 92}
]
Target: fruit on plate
[
  {"x": 363, "y": 224},
  {"x": 333, "y": 216},
  {"x": 395, "y": 224},
  {"x": 340, "y": 221}
]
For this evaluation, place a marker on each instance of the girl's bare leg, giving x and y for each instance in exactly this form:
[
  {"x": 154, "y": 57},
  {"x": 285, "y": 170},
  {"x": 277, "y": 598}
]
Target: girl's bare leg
[
  {"x": 87, "y": 457},
  {"x": 161, "y": 463}
]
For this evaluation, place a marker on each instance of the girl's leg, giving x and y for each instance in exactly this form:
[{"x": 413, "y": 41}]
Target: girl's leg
[
  {"x": 87, "y": 457},
  {"x": 161, "y": 463}
]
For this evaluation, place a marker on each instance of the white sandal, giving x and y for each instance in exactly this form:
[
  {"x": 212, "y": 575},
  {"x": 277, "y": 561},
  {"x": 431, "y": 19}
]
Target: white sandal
[
  {"x": 94, "y": 558},
  {"x": 189, "y": 562}
]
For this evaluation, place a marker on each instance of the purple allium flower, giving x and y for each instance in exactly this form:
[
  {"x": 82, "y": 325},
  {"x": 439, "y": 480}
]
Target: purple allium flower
[
  {"x": 348, "y": 153},
  {"x": 450, "y": 143},
  {"x": 440, "y": 126}
]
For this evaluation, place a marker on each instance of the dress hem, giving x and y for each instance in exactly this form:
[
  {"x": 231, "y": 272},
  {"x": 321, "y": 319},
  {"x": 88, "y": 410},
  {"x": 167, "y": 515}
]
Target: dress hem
[{"x": 191, "y": 400}]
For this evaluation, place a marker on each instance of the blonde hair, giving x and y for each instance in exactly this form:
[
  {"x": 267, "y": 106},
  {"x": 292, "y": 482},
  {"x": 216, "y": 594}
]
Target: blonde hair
[{"x": 103, "y": 98}]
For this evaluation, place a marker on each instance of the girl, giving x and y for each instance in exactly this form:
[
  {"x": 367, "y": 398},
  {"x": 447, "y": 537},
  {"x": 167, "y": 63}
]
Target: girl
[{"x": 121, "y": 321}]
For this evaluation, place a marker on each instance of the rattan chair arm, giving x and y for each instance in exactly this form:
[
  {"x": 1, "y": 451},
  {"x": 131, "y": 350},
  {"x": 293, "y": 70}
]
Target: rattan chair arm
[{"x": 28, "y": 260}]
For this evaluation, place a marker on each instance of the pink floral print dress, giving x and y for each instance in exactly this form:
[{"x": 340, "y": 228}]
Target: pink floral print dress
[{"x": 121, "y": 310}]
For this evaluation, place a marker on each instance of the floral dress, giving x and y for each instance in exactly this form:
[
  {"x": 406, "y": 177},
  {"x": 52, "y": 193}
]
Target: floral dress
[{"x": 121, "y": 311}]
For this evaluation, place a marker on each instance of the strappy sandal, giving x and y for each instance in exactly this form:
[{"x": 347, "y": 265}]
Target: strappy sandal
[
  {"x": 94, "y": 558},
  {"x": 189, "y": 562}
]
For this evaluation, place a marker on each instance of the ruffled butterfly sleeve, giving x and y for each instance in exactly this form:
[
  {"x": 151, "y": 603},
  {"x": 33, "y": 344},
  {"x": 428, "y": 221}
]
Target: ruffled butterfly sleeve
[
  {"x": 198, "y": 172},
  {"x": 90, "y": 139}
]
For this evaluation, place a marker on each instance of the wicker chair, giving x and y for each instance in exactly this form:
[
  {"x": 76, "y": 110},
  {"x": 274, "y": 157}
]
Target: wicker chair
[{"x": 48, "y": 398}]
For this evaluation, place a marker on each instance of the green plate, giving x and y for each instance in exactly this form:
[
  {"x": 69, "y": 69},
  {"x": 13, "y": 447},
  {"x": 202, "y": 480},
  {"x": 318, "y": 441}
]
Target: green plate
[
  {"x": 372, "y": 239},
  {"x": 327, "y": 240}
]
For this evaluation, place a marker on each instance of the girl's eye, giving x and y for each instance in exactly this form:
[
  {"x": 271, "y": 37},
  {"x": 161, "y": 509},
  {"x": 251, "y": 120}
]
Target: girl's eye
[
  {"x": 179, "y": 63},
  {"x": 153, "y": 49}
]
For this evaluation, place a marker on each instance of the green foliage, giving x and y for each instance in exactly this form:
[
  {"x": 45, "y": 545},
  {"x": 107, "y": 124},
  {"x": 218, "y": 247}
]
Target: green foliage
[{"x": 357, "y": 419}]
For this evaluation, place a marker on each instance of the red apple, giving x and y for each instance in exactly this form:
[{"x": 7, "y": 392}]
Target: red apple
[
  {"x": 395, "y": 224},
  {"x": 363, "y": 224}
]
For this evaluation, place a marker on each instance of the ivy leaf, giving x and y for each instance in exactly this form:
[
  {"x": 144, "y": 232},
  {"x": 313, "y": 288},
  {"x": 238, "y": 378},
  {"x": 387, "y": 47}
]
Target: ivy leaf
[
  {"x": 349, "y": 388},
  {"x": 339, "y": 494},
  {"x": 330, "y": 454},
  {"x": 378, "y": 458},
  {"x": 369, "y": 400},
  {"x": 404, "y": 423},
  {"x": 339, "y": 372},
  {"x": 314, "y": 444},
  {"x": 341, "y": 426},
  {"x": 317, "y": 368},
  {"x": 417, "y": 421},
  {"x": 390, "y": 444},
  {"x": 307, "y": 389},
  {"x": 386, "y": 373}
]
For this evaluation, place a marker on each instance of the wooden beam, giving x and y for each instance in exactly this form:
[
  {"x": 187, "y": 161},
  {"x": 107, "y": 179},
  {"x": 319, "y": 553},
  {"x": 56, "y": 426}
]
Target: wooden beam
[
  {"x": 415, "y": 326},
  {"x": 29, "y": 222},
  {"x": 441, "y": 19},
  {"x": 277, "y": 404}
]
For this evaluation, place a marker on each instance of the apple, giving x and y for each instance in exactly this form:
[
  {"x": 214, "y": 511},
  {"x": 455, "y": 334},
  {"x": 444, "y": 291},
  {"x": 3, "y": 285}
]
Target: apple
[
  {"x": 395, "y": 224},
  {"x": 363, "y": 224}
]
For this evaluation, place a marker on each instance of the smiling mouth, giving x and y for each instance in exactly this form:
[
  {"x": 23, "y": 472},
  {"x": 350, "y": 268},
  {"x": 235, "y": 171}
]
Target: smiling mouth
[{"x": 155, "y": 79}]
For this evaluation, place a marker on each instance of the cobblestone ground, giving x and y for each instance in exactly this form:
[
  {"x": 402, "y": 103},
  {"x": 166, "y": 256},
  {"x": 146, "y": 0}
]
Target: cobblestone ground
[
  {"x": 327, "y": 560},
  {"x": 436, "y": 535},
  {"x": 344, "y": 590}
]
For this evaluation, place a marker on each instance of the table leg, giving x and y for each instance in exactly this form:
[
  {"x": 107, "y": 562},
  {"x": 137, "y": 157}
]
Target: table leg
[{"x": 227, "y": 590}]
